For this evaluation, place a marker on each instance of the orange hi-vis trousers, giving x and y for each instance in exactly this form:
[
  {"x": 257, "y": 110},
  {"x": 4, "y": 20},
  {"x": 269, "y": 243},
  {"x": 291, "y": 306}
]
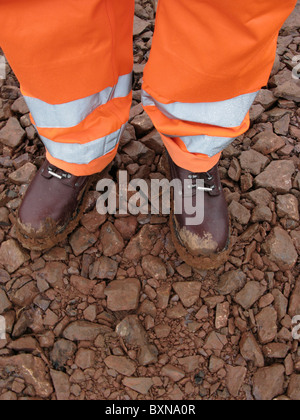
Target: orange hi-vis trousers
[{"x": 74, "y": 61}]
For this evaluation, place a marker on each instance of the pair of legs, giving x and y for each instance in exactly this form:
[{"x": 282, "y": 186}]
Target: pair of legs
[{"x": 74, "y": 62}]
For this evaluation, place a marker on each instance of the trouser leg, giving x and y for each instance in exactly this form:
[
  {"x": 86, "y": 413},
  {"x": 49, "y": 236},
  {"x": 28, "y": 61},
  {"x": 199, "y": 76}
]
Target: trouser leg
[
  {"x": 208, "y": 61},
  {"x": 74, "y": 62}
]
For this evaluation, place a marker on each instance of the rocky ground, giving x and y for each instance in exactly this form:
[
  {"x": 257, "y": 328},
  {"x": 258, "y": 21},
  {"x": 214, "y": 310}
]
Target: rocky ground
[{"x": 113, "y": 313}]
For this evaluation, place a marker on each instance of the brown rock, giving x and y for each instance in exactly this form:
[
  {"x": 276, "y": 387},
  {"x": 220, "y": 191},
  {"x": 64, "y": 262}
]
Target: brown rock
[
  {"x": 121, "y": 365},
  {"x": 142, "y": 124},
  {"x": 12, "y": 256},
  {"x": 140, "y": 26},
  {"x": 266, "y": 300},
  {"x": 294, "y": 308},
  {"x": 235, "y": 171},
  {"x": 266, "y": 98},
  {"x": 123, "y": 295},
  {"x": 4, "y": 277},
  {"x": 202, "y": 313},
  {"x": 12, "y": 134},
  {"x": 280, "y": 303},
  {"x": 50, "y": 319},
  {"x": 215, "y": 364},
  {"x": 262, "y": 214},
  {"x": 111, "y": 240},
  {"x": 83, "y": 285},
  {"x": 25, "y": 344},
  {"x": 250, "y": 350},
  {"x": 142, "y": 244},
  {"x": 56, "y": 254},
  {"x": 20, "y": 106},
  {"x": 268, "y": 383},
  {"x": 163, "y": 296},
  {"x": 154, "y": 267},
  {"x": 287, "y": 206},
  {"x": 132, "y": 331},
  {"x": 104, "y": 268},
  {"x": 282, "y": 126},
  {"x": 230, "y": 282},
  {"x": 162, "y": 330},
  {"x": 61, "y": 384},
  {"x": 267, "y": 142},
  {"x": 85, "y": 358},
  {"x": 250, "y": 294},
  {"x": 267, "y": 325},
  {"x": 83, "y": 331},
  {"x": 280, "y": 249},
  {"x": 276, "y": 350},
  {"x": 277, "y": 176},
  {"x": 240, "y": 213},
  {"x": 246, "y": 182},
  {"x": 185, "y": 270},
  {"x": 222, "y": 315},
  {"x": 253, "y": 161},
  {"x": 32, "y": 370},
  {"x": 140, "y": 385},
  {"x": 261, "y": 197},
  {"x": 295, "y": 234},
  {"x": 25, "y": 295},
  {"x": 8, "y": 396},
  {"x": 289, "y": 90},
  {"x": 127, "y": 227},
  {"x": 53, "y": 274},
  {"x": 24, "y": 175},
  {"x": 190, "y": 363},
  {"x": 93, "y": 220},
  {"x": 63, "y": 350},
  {"x": 90, "y": 313},
  {"x": 153, "y": 141},
  {"x": 294, "y": 388},
  {"x": 172, "y": 372},
  {"x": 256, "y": 111},
  {"x": 215, "y": 341},
  {"x": 176, "y": 312},
  {"x": 188, "y": 292},
  {"x": 5, "y": 304},
  {"x": 235, "y": 379},
  {"x": 147, "y": 308},
  {"x": 4, "y": 217},
  {"x": 81, "y": 240}
]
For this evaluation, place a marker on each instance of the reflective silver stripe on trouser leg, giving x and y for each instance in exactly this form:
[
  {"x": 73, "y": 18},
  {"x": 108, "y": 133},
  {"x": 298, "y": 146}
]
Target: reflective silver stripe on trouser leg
[
  {"x": 226, "y": 114},
  {"x": 73, "y": 113},
  {"x": 83, "y": 154}
]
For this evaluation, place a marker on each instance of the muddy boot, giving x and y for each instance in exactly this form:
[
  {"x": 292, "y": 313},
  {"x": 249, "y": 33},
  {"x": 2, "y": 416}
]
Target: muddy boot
[
  {"x": 51, "y": 208},
  {"x": 207, "y": 245}
]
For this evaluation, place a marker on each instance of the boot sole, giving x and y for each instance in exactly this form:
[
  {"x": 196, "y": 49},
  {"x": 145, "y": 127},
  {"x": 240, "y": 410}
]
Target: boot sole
[
  {"x": 210, "y": 262},
  {"x": 45, "y": 244}
]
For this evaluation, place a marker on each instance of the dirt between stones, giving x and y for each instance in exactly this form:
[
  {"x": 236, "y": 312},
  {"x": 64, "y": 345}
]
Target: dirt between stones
[{"x": 92, "y": 321}]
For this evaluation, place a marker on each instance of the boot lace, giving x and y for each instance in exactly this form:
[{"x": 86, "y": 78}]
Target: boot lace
[
  {"x": 207, "y": 177},
  {"x": 62, "y": 175}
]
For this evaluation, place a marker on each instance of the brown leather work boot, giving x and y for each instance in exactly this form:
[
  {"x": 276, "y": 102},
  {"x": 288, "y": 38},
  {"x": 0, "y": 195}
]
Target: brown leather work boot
[
  {"x": 207, "y": 245},
  {"x": 51, "y": 208}
]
